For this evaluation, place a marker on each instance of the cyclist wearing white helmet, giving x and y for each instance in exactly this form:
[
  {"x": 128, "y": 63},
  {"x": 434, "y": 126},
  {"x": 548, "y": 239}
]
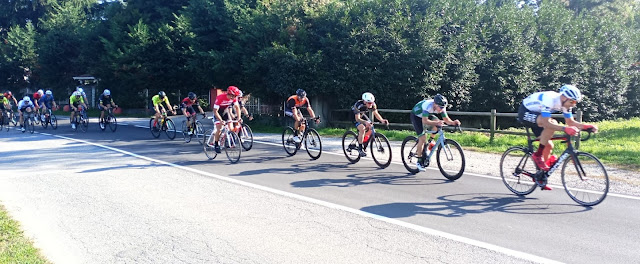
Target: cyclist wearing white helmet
[
  {"x": 46, "y": 102},
  {"x": 292, "y": 110},
  {"x": 76, "y": 100},
  {"x": 84, "y": 95},
  {"x": 535, "y": 112},
  {"x": 104, "y": 103},
  {"x": 360, "y": 110},
  {"x": 423, "y": 115},
  {"x": 25, "y": 105}
]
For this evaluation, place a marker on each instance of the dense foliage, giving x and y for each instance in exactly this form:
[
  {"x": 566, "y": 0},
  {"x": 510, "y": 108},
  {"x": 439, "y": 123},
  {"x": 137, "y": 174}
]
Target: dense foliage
[{"x": 480, "y": 54}]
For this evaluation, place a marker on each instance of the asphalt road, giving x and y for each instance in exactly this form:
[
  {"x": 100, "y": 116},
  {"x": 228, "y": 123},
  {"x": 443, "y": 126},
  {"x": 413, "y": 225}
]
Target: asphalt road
[{"x": 126, "y": 197}]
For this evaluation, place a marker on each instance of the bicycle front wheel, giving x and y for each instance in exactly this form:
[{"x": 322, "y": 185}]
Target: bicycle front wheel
[
  {"x": 208, "y": 145},
  {"x": 113, "y": 122},
  {"x": 518, "y": 170},
  {"x": 408, "y": 152},
  {"x": 84, "y": 124},
  {"x": 155, "y": 130},
  {"x": 381, "y": 150},
  {"x": 450, "y": 159},
  {"x": 54, "y": 121},
  {"x": 290, "y": 146},
  {"x": 185, "y": 131},
  {"x": 45, "y": 123},
  {"x": 30, "y": 125},
  {"x": 585, "y": 179},
  {"x": 232, "y": 147},
  {"x": 170, "y": 129},
  {"x": 313, "y": 144},
  {"x": 246, "y": 137},
  {"x": 350, "y": 146},
  {"x": 199, "y": 132}
]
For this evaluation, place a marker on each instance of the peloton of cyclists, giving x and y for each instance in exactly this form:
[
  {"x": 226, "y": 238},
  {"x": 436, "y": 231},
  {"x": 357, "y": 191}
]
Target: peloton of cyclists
[{"x": 360, "y": 109}]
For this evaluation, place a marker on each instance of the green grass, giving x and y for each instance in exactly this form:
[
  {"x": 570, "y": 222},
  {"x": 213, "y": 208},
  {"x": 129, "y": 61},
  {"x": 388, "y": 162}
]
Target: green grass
[{"x": 14, "y": 247}]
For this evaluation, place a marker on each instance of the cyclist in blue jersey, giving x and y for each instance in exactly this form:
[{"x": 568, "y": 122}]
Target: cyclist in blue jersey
[
  {"x": 46, "y": 102},
  {"x": 535, "y": 112}
]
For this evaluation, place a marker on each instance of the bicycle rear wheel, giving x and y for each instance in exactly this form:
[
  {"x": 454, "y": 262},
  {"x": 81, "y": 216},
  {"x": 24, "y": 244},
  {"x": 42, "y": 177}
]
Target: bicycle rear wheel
[
  {"x": 246, "y": 136},
  {"x": 451, "y": 159},
  {"x": 199, "y": 131},
  {"x": 290, "y": 146},
  {"x": 585, "y": 179},
  {"x": 408, "y": 152},
  {"x": 518, "y": 170},
  {"x": 232, "y": 147},
  {"x": 208, "y": 145},
  {"x": 313, "y": 144},
  {"x": 350, "y": 146},
  {"x": 381, "y": 150},
  {"x": 170, "y": 129},
  {"x": 54, "y": 121},
  {"x": 155, "y": 130},
  {"x": 113, "y": 122}
]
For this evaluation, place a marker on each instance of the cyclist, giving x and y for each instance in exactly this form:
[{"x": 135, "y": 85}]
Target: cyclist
[
  {"x": 36, "y": 100},
  {"x": 46, "y": 102},
  {"x": 360, "y": 109},
  {"x": 423, "y": 115},
  {"x": 4, "y": 104},
  {"x": 293, "y": 103},
  {"x": 187, "y": 109},
  {"x": 157, "y": 101},
  {"x": 535, "y": 112},
  {"x": 84, "y": 95},
  {"x": 221, "y": 109},
  {"x": 241, "y": 101},
  {"x": 10, "y": 97},
  {"x": 104, "y": 103},
  {"x": 75, "y": 101},
  {"x": 25, "y": 105}
]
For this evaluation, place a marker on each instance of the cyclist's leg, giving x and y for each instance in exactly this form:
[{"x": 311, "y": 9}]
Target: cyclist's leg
[
  {"x": 361, "y": 131},
  {"x": 218, "y": 123},
  {"x": 418, "y": 126},
  {"x": 300, "y": 127},
  {"x": 102, "y": 109},
  {"x": 21, "y": 120}
]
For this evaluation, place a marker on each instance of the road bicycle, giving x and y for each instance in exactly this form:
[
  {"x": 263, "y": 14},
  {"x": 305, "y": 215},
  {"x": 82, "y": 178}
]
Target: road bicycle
[
  {"x": 378, "y": 143},
  {"x": 196, "y": 130},
  {"x": 164, "y": 124},
  {"x": 310, "y": 138},
  {"x": 81, "y": 119},
  {"x": 229, "y": 142},
  {"x": 583, "y": 176},
  {"x": 4, "y": 120},
  {"x": 449, "y": 154},
  {"x": 12, "y": 117},
  {"x": 244, "y": 133},
  {"x": 50, "y": 119},
  {"x": 109, "y": 120}
]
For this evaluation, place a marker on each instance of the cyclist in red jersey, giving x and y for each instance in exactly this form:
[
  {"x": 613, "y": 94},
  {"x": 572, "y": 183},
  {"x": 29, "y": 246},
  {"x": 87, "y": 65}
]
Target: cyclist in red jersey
[
  {"x": 220, "y": 111},
  {"x": 292, "y": 110},
  {"x": 188, "y": 111}
]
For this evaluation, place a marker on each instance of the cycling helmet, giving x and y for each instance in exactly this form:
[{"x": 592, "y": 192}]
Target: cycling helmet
[
  {"x": 368, "y": 97},
  {"x": 233, "y": 90},
  {"x": 40, "y": 92},
  {"x": 76, "y": 93},
  {"x": 162, "y": 94},
  {"x": 80, "y": 90},
  {"x": 48, "y": 92},
  {"x": 106, "y": 92},
  {"x": 440, "y": 100},
  {"x": 9, "y": 93},
  {"x": 571, "y": 92},
  {"x": 301, "y": 93},
  {"x": 26, "y": 99},
  {"x": 192, "y": 95}
]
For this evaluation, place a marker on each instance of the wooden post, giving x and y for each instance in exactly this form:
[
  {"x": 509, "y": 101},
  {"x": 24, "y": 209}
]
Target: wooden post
[{"x": 492, "y": 124}]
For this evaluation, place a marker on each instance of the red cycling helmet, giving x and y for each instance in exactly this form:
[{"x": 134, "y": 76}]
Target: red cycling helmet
[{"x": 233, "y": 90}]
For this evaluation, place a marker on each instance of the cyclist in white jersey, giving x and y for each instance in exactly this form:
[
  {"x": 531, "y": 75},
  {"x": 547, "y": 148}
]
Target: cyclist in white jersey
[
  {"x": 535, "y": 112},
  {"x": 423, "y": 115}
]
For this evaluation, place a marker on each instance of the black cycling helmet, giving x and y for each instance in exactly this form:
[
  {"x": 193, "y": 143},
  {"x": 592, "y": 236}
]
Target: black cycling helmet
[
  {"x": 301, "y": 93},
  {"x": 162, "y": 94},
  {"x": 440, "y": 100},
  {"x": 192, "y": 95}
]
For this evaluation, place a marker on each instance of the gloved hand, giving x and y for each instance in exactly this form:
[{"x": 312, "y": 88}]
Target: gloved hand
[
  {"x": 590, "y": 128},
  {"x": 571, "y": 130}
]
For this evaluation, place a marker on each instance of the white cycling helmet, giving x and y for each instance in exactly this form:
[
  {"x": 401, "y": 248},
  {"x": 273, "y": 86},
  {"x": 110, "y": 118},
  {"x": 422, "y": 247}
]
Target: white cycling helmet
[
  {"x": 80, "y": 90},
  {"x": 571, "y": 92},
  {"x": 368, "y": 97},
  {"x": 48, "y": 92},
  {"x": 76, "y": 93},
  {"x": 40, "y": 92},
  {"x": 106, "y": 92},
  {"x": 26, "y": 99}
]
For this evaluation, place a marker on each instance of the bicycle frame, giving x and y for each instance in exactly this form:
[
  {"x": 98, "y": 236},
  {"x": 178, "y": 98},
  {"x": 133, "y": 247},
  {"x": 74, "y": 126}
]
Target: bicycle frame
[{"x": 569, "y": 151}]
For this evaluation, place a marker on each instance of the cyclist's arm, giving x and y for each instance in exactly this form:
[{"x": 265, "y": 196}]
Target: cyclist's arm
[
  {"x": 379, "y": 117},
  {"x": 215, "y": 112},
  {"x": 200, "y": 108},
  {"x": 311, "y": 113},
  {"x": 236, "y": 108}
]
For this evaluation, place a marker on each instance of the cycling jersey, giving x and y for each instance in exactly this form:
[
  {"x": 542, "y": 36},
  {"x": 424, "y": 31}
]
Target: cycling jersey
[
  {"x": 76, "y": 100},
  {"x": 294, "y": 101},
  {"x": 105, "y": 99},
  {"x": 46, "y": 100},
  {"x": 186, "y": 102},
  {"x": 36, "y": 96},
  {"x": 426, "y": 107},
  {"x": 156, "y": 100},
  {"x": 4, "y": 102},
  {"x": 360, "y": 107},
  {"x": 223, "y": 101},
  {"x": 24, "y": 104},
  {"x": 545, "y": 103}
]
